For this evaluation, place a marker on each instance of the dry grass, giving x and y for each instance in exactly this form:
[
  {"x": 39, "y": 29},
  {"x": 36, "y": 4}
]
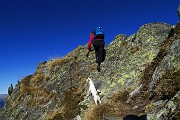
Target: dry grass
[
  {"x": 124, "y": 44},
  {"x": 37, "y": 77},
  {"x": 25, "y": 83},
  {"x": 168, "y": 85},
  {"x": 69, "y": 107},
  {"x": 39, "y": 96},
  {"x": 55, "y": 64},
  {"x": 133, "y": 50},
  {"x": 149, "y": 107},
  {"x": 76, "y": 59},
  {"x": 15, "y": 103},
  {"x": 98, "y": 112},
  {"x": 35, "y": 95},
  {"x": 116, "y": 106},
  {"x": 92, "y": 67},
  {"x": 120, "y": 96},
  {"x": 28, "y": 83}
]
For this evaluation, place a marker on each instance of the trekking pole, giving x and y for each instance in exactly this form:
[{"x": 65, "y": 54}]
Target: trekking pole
[{"x": 87, "y": 55}]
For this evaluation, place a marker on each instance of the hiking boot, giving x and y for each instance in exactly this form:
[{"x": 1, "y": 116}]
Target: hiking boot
[{"x": 98, "y": 68}]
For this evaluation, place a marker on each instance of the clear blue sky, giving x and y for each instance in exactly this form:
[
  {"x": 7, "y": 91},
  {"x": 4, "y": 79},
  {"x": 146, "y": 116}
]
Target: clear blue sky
[{"x": 32, "y": 31}]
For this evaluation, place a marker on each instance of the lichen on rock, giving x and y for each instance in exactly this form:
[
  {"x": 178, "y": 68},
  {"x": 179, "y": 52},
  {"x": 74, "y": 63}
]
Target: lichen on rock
[{"x": 140, "y": 77}]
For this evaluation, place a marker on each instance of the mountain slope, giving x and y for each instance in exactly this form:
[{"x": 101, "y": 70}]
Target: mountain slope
[
  {"x": 139, "y": 77},
  {"x": 1, "y": 104}
]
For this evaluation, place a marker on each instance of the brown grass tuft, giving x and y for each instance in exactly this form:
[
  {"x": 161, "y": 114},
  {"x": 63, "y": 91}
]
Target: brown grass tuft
[
  {"x": 124, "y": 43},
  {"x": 149, "y": 107},
  {"x": 55, "y": 64},
  {"x": 116, "y": 106},
  {"x": 25, "y": 83},
  {"x": 37, "y": 77},
  {"x": 35, "y": 95},
  {"x": 92, "y": 67},
  {"x": 120, "y": 96},
  {"x": 133, "y": 50},
  {"x": 39, "y": 96},
  {"x": 98, "y": 112},
  {"x": 69, "y": 107},
  {"x": 168, "y": 85}
]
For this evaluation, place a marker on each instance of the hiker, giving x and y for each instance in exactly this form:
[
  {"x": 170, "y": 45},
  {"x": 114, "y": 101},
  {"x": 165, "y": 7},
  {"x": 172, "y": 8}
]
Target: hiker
[{"x": 97, "y": 39}]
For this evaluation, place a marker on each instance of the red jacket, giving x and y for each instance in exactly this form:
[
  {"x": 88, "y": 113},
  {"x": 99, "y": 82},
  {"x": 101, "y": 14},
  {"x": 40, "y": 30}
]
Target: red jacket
[{"x": 90, "y": 41}]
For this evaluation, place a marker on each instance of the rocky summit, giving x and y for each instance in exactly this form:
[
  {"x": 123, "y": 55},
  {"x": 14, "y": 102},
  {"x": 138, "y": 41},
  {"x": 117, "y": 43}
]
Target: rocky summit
[{"x": 139, "y": 80}]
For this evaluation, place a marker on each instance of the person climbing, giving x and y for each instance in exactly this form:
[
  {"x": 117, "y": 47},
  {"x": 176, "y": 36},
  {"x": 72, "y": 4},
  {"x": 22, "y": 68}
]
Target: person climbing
[{"x": 97, "y": 39}]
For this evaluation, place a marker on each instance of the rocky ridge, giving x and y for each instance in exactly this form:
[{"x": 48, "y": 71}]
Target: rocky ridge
[{"x": 139, "y": 78}]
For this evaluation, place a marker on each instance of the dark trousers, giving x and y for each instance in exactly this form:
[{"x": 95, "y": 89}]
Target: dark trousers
[{"x": 99, "y": 47}]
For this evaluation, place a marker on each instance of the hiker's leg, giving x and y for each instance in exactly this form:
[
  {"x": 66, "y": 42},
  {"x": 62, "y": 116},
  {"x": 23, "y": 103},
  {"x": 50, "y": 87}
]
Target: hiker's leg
[
  {"x": 99, "y": 46},
  {"x": 100, "y": 56},
  {"x": 97, "y": 54},
  {"x": 101, "y": 49},
  {"x": 96, "y": 48}
]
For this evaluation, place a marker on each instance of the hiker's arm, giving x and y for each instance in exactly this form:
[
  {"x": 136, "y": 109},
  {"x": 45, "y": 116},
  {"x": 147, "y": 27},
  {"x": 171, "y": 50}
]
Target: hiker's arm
[{"x": 90, "y": 42}]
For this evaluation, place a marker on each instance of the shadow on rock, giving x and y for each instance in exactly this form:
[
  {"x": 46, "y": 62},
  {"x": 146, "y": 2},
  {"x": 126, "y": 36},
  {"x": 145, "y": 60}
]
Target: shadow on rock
[{"x": 134, "y": 117}]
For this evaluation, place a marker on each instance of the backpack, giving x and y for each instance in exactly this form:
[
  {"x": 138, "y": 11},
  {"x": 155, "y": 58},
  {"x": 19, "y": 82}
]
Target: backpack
[{"x": 98, "y": 32}]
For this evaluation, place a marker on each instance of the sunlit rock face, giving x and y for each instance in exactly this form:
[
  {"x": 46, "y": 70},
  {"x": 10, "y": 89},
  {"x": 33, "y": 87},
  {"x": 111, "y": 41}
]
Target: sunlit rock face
[{"x": 139, "y": 78}]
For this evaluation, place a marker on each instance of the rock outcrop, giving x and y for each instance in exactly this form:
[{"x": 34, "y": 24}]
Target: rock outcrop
[{"x": 140, "y": 78}]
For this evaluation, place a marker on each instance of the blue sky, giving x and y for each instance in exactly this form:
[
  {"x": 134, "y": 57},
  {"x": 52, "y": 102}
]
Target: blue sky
[{"x": 32, "y": 31}]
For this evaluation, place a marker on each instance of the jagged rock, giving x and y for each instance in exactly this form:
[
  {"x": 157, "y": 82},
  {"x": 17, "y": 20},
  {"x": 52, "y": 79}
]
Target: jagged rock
[
  {"x": 142, "y": 69},
  {"x": 10, "y": 89},
  {"x": 165, "y": 110}
]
